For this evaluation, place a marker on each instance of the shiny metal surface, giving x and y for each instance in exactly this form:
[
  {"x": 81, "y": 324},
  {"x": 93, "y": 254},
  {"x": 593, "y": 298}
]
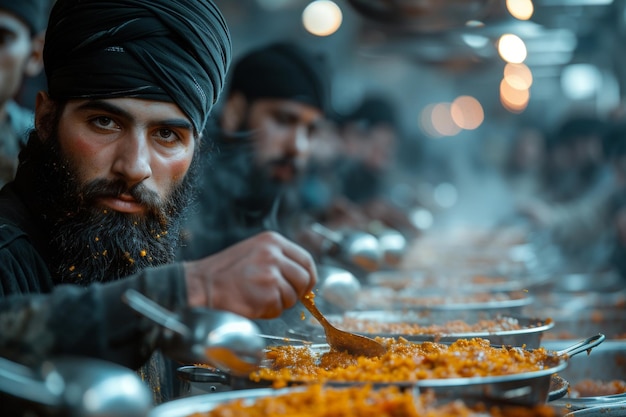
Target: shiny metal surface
[
  {"x": 337, "y": 286},
  {"x": 344, "y": 341},
  {"x": 226, "y": 340},
  {"x": 354, "y": 247},
  {"x": 76, "y": 387},
  {"x": 610, "y": 410},
  {"x": 393, "y": 246},
  {"x": 606, "y": 363}
]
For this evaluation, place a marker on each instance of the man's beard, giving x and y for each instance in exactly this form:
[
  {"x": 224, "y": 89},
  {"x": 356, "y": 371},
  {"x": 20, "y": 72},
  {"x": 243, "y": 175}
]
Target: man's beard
[{"x": 90, "y": 243}]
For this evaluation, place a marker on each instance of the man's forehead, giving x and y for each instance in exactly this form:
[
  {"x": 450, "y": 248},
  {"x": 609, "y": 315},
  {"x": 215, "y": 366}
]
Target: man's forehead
[
  {"x": 10, "y": 22},
  {"x": 291, "y": 106},
  {"x": 133, "y": 106}
]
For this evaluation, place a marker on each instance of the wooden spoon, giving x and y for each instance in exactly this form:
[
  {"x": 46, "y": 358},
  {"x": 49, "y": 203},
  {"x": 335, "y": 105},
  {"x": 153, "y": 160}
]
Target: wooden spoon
[{"x": 340, "y": 340}]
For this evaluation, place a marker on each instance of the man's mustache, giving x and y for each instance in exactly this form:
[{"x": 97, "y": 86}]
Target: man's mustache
[
  {"x": 286, "y": 161},
  {"x": 103, "y": 188}
]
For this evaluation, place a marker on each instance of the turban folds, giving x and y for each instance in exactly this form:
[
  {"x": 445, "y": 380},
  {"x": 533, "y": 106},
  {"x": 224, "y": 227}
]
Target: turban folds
[
  {"x": 166, "y": 50},
  {"x": 282, "y": 70}
]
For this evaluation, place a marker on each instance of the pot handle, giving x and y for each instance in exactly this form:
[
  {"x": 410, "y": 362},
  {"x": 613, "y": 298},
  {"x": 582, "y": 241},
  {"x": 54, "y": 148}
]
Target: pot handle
[
  {"x": 199, "y": 374},
  {"x": 582, "y": 346}
]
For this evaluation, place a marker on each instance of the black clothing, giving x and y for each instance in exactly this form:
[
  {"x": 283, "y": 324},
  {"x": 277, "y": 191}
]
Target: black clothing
[{"x": 39, "y": 319}]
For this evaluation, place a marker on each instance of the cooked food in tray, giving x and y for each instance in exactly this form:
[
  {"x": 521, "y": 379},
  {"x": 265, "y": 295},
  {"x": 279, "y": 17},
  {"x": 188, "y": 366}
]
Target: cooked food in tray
[
  {"x": 403, "y": 362},
  {"x": 432, "y": 326},
  {"x": 497, "y": 324},
  {"x": 385, "y": 298},
  {"x": 596, "y": 388},
  {"x": 318, "y": 401}
]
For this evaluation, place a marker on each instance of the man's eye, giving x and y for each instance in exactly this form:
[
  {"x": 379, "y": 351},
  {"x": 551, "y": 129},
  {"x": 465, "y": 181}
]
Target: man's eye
[
  {"x": 166, "y": 134},
  {"x": 103, "y": 121},
  {"x": 6, "y": 37}
]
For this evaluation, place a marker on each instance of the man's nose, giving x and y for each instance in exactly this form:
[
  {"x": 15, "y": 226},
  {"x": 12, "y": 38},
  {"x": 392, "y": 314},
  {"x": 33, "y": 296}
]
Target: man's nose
[
  {"x": 300, "y": 141},
  {"x": 132, "y": 158}
]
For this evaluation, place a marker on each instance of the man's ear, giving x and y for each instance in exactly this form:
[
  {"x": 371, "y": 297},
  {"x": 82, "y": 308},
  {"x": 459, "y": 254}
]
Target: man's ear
[
  {"x": 44, "y": 106},
  {"x": 234, "y": 112},
  {"x": 34, "y": 65}
]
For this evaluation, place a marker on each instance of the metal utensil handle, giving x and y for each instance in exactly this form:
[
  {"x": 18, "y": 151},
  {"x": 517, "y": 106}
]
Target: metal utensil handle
[
  {"x": 582, "y": 346},
  {"x": 284, "y": 339},
  {"x": 22, "y": 382},
  {"x": 153, "y": 311},
  {"x": 588, "y": 402},
  {"x": 327, "y": 233}
]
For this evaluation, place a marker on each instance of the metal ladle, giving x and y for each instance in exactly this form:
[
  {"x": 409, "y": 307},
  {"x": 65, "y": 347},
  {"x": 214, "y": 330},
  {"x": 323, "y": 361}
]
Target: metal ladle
[
  {"x": 340, "y": 340},
  {"x": 354, "y": 247},
  {"x": 225, "y": 340},
  {"x": 338, "y": 286}
]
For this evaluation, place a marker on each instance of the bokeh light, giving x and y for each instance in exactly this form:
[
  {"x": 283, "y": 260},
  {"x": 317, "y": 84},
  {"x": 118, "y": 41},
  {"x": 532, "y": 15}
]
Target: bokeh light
[{"x": 322, "y": 17}]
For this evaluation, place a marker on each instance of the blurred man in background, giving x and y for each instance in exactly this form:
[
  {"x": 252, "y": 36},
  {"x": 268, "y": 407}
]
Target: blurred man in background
[
  {"x": 276, "y": 102},
  {"x": 22, "y": 26}
]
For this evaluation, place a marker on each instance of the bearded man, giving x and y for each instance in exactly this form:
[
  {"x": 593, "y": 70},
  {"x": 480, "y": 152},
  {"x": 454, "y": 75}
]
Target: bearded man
[{"x": 103, "y": 184}]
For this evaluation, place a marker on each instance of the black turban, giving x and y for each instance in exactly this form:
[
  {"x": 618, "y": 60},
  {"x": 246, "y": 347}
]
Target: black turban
[
  {"x": 166, "y": 50},
  {"x": 32, "y": 12},
  {"x": 282, "y": 70},
  {"x": 374, "y": 110}
]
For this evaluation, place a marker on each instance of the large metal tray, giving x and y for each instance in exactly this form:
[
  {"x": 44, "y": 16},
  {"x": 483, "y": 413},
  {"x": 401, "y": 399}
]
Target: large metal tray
[
  {"x": 204, "y": 403},
  {"x": 442, "y": 300},
  {"x": 529, "y": 336},
  {"x": 523, "y": 388}
]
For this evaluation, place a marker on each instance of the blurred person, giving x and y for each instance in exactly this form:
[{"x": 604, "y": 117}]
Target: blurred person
[
  {"x": 574, "y": 164},
  {"x": 272, "y": 112},
  {"x": 104, "y": 182},
  {"x": 22, "y": 29},
  {"x": 583, "y": 228},
  {"x": 524, "y": 162},
  {"x": 371, "y": 138}
]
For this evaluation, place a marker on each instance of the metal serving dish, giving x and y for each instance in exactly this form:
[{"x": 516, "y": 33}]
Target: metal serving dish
[
  {"x": 486, "y": 280},
  {"x": 199, "y": 380},
  {"x": 529, "y": 335},
  {"x": 204, "y": 403},
  {"x": 439, "y": 299},
  {"x": 523, "y": 388}
]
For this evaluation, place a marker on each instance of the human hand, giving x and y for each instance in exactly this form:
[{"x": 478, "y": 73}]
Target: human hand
[{"x": 256, "y": 278}]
